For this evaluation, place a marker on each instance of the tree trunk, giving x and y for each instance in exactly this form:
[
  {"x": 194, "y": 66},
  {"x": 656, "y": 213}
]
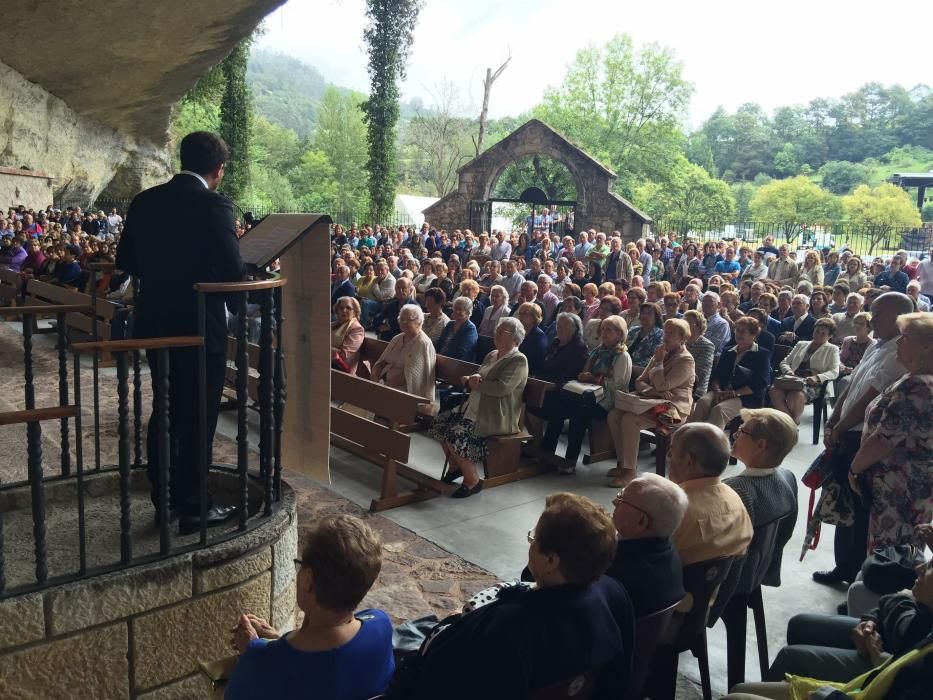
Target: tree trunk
[{"x": 487, "y": 88}]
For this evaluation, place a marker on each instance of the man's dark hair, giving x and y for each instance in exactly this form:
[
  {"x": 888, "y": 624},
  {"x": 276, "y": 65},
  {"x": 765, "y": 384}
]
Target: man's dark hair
[{"x": 203, "y": 152}]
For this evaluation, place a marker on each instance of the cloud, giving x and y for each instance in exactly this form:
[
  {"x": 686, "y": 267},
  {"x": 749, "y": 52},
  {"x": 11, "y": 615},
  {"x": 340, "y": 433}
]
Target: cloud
[{"x": 733, "y": 51}]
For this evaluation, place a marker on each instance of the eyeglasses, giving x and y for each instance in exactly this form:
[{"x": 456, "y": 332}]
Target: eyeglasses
[
  {"x": 619, "y": 501},
  {"x": 531, "y": 536},
  {"x": 743, "y": 431}
]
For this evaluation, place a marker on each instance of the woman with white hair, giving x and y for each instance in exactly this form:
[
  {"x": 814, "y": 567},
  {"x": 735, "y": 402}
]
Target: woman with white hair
[
  {"x": 408, "y": 361},
  {"x": 493, "y": 408},
  {"x": 812, "y": 269},
  {"x": 459, "y": 337},
  {"x": 498, "y": 308}
]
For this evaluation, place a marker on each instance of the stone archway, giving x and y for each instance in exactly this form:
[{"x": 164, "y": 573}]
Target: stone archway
[{"x": 597, "y": 205}]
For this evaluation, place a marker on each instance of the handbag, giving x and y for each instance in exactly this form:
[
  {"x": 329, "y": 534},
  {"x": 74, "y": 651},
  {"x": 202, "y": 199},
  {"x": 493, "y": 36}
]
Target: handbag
[
  {"x": 789, "y": 382},
  {"x": 337, "y": 362},
  {"x": 583, "y": 395}
]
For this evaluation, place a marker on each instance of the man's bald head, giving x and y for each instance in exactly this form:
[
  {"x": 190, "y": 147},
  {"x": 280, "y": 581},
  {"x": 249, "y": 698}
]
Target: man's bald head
[
  {"x": 698, "y": 450},
  {"x": 663, "y": 501},
  {"x": 884, "y": 312}
]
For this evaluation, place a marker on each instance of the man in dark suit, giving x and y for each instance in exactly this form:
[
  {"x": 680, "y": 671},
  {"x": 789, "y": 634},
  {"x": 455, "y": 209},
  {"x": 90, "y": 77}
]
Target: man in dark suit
[
  {"x": 799, "y": 324},
  {"x": 203, "y": 235}
]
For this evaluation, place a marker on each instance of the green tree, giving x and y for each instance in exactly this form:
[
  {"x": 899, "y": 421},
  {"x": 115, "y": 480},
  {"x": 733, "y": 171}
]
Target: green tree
[
  {"x": 340, "y": 134},
  {"x": 743, "y": 192},
  {"x": 841, "y": 176},
  {"x": 388, "y": 37},
  {"x": 689, "y": 197},
  {"x": 623, "y": 106},
  {"x": 543, "y": 172},
  {"x": 314, "y": 180},
  {"x": 927, "y": 214},
  {"x": 785, "y": 161},
  {"x": 881, "y": 209},
  {"x": 442, "y": 139},
  {"x": 235, "y": 121},
  {"x": 794, "y": 202}
]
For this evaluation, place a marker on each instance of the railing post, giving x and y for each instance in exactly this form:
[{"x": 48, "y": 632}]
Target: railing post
[
  {"x": 63, "y": 392},
  {"x": 161, "y": 389},
  {"x": 37, "y": 492},
  {"x": 123, "y": 449},
  {"x": 265, "y": 400},
  {"x": 95, "y": 366},
  {"x": 79, "y": 466},
  {"x": 278, "y": 392},
  {"x": 30, "y": 390},
  {"x": 202, "y": 460},
  {"x": 242, "y": 400},
  {"x": 137, "y": 411}
]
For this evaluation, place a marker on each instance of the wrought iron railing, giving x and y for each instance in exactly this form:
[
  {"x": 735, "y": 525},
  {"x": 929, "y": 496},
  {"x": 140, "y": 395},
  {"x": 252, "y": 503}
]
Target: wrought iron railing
[{"x": 129, "y": 432}]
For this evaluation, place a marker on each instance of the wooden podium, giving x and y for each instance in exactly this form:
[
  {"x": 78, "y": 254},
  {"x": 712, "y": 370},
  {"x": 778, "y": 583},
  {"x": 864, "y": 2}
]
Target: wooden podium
[{"x": 302, "y": 244}]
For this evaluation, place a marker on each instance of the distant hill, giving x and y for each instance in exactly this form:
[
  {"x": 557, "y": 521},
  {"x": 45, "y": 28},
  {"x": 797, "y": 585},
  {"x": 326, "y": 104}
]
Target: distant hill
[{"x": 287, "y": 91}]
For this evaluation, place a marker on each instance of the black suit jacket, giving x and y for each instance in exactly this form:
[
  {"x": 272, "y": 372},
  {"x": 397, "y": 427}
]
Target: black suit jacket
[
  {"x": 756, "y": 366},
  {"x": 198, "y": 245},
  {"x": 804, "y": 331},
  {"x": 651, "y": 572}
]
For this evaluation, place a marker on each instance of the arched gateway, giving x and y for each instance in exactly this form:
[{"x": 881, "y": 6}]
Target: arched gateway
[{"x": 597, "y": 206}]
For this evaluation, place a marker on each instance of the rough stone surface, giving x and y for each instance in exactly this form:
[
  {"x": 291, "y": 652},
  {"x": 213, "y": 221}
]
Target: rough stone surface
[
  {"x": 128, "y": 82},
  {"x": 169, "y": 643},
  {"x": 88, "y": 665},
  {"x": 597, "y": 206},
  {"x": 284, "y": 553},
  {"x": 29, "y": 617},
  {"x": 115, "y": 596},
  {"x": 196, "y": 686},
  {"x": 283, "y": 609},
  {"x": 232, "y": 572},
  {"x": 41, "y": 132},
  {"x": 33, "y": 189}
]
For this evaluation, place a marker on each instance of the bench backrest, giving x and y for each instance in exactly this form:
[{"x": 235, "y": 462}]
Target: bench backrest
[
  {"x": 371, "y": 435},
  {"x": 44, "y": 294},
  {"x": 398, "y": 407},
  {"x": 11, "y": 283}
]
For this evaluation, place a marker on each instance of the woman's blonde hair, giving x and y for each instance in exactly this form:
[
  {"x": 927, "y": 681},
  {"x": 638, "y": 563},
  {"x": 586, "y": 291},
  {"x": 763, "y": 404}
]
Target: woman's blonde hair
[
  {"x": 531, "y": 308},
  {"x": 777, "y": 429},
  {"x": 620, "y": 325},
  {"x": 680, "y": 325},
  {"x": 919, "y": 323},
  {"x": 354, "y": 304}
]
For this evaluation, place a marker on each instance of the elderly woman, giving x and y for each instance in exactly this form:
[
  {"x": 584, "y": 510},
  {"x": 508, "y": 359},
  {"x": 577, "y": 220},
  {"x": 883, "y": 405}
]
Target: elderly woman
[
  {"x": 441, "y": 281},
  {"x": 757, "y": 270},
  {"x": 819, "y": 307},
  {"x": 435, "y": 319},
  {"x": 494, "y": 408},
  {"x": 845, "y": 320},
  {"x": 730, "y": 306},
  {"x": 815, "y": 361},
  {"x": 812, "y": 269},
  {"x": 853, "y": 275},
  {"x": 335, "y": 647},
  {"x": 896, "y": 453},
  {"x": 739, "y": 380},
  {"x": 346, "y": 334},
  {"x": 498, "y": 308},
  {"x": 609, "y": 366},
  {"x": 670, "y": 376},
  {"x": 688, "y": 267},
  {"x": 853, "y": 349},
  {"x": 644, "y": 339},
  {"x": 407, "y": 363},
  {"x": 831, "y": 269},
  {"x": 608, "y": 306},
  {"x": 470, "y": 289},
  {"x": 459, "y": 337},
  {"x": 424, "y": 279},
  {"x": 534, "y": 345},
  {"x": 701, "y": 349},
  {"x": 636, "y": 296},
  {"x": 590, "y": 301}
]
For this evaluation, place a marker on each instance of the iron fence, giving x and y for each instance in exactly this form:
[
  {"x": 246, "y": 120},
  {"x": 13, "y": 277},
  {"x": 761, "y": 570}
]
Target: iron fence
[
  {"x": 80, "y": 478},
  {"x": 860, "y": 239}
]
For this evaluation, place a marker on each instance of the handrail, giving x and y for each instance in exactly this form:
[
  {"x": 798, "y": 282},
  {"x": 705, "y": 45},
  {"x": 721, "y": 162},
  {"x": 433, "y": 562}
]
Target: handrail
[
  {"x": 182, "y": 341},
  {"x": 101, "y": 265},
  {"x": 38, "y": 414},
  {"x": 246, "y": 286},
  {"x": 45, "y": 309}
]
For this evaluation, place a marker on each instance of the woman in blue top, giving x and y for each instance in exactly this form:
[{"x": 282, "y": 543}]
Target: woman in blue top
[{"x": 335, "y": 654}]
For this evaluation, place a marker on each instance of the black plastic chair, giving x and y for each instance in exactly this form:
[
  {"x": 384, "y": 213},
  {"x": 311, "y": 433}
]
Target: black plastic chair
[
  {"x": 820, "y": 412},
  {"x": 649, "y": 631},
  {"x": 687, "y": 632}
]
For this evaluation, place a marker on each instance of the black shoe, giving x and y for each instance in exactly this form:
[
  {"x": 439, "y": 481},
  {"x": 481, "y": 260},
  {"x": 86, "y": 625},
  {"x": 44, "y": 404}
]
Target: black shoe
[
  {"x": 465, "y": 491},
  {"x": 451, "y": 476},
  {"x": 828, "y": 578},
  {"x": 216, "y": 515},
  {"x": 842, "y": 608}
]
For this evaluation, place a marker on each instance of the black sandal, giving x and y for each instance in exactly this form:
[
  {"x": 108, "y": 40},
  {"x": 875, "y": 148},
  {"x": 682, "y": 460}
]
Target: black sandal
[
  {"x": 465, "y": 491},
  {"x": 451, "y": 476}
]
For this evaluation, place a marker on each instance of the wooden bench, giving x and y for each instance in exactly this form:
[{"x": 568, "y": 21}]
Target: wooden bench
[
  {"x": 40, "y": 293},
  {"x": 602, "y": 447},
  {"x": 11, "y": 287},
  {"x": 252, "y": 381},
  {"x": 382, "y": 445}
]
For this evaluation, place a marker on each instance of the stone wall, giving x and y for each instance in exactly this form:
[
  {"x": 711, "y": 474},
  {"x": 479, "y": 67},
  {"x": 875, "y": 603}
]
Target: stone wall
[
  {"x": 40, "y": 132},
  {"x": 34, "y": 189},
  {"x": 141, "y": 632},
  {"x": 597, "y": 207}
]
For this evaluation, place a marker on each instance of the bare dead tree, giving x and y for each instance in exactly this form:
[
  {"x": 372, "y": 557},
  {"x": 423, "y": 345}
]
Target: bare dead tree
[
  {"x": 487, "y": 88},
  {"x": 441, "y": 137}
]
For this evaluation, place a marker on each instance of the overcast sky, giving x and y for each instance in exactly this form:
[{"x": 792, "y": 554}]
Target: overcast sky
[{"x": 733, "y": 51}]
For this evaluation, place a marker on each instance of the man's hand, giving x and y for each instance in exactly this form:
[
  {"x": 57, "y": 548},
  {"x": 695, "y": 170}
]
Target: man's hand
[
  {"x": 474, "y": 381},
  {"x": 860, "y": 635},
  {"x": 262, "y": 628},
  {"x": 585, "y": 377},
  {"x": 242, "y": 634}
]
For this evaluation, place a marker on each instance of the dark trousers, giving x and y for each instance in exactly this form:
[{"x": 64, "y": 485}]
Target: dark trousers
[
  {"x": 850, "y": 543},
  {"x": 580, "y": 415},
  {"x": 819, "y": 646},
  {"x": 184, "y": 484}
]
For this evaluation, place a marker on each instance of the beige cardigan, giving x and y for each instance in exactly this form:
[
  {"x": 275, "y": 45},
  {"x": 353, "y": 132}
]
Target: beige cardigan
[
  {"x": 825, "y": 362},
  {"x": 419, "y": 364},
  {"x": 500, "y": 395},
  {"x": 671, "y": 380}
]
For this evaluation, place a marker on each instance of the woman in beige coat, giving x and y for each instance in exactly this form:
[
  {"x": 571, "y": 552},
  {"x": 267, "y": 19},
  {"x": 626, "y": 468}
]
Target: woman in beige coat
[
  {"x": 815, "y": 361},
  {"x": 407, "y": 363},
  {"x": 347, "y": 334},
  {"x": 494, "y": 408},
  {"x": 669, "y": 375}
]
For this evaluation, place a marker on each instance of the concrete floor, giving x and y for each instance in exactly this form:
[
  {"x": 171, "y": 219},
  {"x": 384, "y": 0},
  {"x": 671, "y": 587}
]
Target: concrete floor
[{"x": 489, "y": 529}]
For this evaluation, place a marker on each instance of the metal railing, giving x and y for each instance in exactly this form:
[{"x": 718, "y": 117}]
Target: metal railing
[{"x": 73, "y": 472}]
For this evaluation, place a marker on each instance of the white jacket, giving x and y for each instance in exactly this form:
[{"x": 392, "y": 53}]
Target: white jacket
[{"x": 825, "y": 362}]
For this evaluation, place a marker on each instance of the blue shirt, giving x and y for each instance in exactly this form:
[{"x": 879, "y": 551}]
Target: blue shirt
[
  {"x": 727, "y": 266},
  {"x": 361, "y": 668}
]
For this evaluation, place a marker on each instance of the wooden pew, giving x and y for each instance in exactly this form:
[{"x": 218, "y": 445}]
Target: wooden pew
[
  {"x": 11, "y": 287},
  {"x": 382, "y": 445},
  {"x": 40, "y": 293}
]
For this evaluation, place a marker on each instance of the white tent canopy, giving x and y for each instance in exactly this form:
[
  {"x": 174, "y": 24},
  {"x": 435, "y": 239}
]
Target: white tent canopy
[{"x": 409, "y": 207}]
